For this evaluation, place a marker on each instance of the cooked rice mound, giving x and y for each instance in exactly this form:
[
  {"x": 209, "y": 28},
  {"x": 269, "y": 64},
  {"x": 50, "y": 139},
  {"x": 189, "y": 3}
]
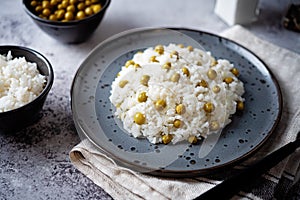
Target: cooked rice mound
[
  {"x": 174, "y": 93},
  {"x": 20, "y": 82}
]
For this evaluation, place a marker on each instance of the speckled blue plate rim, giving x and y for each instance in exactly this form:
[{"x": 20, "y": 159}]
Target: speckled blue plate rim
[{"x": 185, "y": 173}]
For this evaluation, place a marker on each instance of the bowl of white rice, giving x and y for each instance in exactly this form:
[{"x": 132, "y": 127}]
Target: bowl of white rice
[{"x": 26, "y": 78}]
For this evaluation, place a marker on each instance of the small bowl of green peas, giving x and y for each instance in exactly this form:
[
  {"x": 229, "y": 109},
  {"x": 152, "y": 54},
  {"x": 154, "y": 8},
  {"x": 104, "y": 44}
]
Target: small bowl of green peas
[{"x": 69, "y": 21}]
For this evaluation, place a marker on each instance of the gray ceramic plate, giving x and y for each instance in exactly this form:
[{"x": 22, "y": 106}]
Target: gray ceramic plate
[{"x": 94, "y": 118}]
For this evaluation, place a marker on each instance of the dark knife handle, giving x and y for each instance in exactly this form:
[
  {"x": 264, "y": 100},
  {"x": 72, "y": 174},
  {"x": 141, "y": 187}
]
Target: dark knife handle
[{"x": 234, "y": 184}]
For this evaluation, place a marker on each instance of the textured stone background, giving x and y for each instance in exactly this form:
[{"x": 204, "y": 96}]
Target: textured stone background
[{"x": 34, "y": 162}]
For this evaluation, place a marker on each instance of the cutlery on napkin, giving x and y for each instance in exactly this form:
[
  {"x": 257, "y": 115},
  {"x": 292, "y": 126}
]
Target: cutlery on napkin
[{"x": 234, "y": 184}]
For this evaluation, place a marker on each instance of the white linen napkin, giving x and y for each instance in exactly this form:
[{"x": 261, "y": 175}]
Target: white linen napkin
[{"x": 122, "y": 183}]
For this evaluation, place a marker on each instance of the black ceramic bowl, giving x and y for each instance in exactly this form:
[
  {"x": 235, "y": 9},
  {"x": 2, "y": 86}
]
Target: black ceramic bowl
[
  {"x": 76, "y": 31},
  {"x": 19, "y": 118}
]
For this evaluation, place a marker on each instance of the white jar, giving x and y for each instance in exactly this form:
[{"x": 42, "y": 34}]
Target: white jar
[{"x": 237, "y": 11}]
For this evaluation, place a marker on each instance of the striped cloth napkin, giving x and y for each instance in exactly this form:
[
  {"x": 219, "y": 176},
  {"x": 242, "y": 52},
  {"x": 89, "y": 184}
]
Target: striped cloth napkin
[{"x": 281, "y": 182}]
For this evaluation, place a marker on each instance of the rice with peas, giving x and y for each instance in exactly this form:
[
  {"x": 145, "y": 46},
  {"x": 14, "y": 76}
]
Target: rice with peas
[
  {"x": 20, "y": 82},
  {"x": 174, "y": 93}
]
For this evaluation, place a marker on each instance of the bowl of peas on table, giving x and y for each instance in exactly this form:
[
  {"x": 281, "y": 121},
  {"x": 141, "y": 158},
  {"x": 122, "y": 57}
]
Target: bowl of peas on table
[{"x": 69, "y": 21}]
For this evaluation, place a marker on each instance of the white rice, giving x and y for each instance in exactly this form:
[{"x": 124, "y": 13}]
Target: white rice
[
  {"x": 20, "y": 82},
  {"x": 195, "y": 121}
]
